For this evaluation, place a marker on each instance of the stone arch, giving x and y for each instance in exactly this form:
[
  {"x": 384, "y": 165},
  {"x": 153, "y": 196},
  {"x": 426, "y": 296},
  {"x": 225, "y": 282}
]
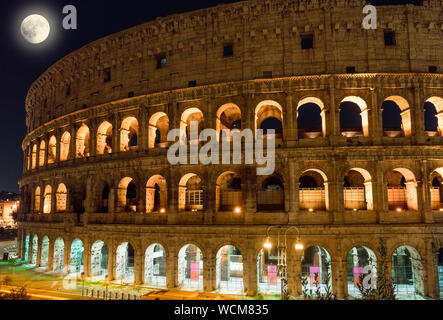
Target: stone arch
[
  {"x": 402, "y": 190},
  {"x": 436, "y": 189},
  {"x": 82, "y": 142},
  {"x": 313, "y": 190},
  {"x": 190, "y": 193},
  {"x": 229, "y": 194},
  {"x": 125, "y": 254},
  {"x": 229, "y": 270},
  {"x": 104, "y": 138},
  {"x": 34, "y": 156},
  {"x": 99, "y": 260},
  {"x": 37, "y": 199},
  {"x": 311, "y": 118},
  {"x": 44, "y": 257},
  {"x": 64, "y": 146},
  {"x": 34, "y": 249},
  {"x": 270, "y": 193},
  {"x": 127, "y": 195},
  {"x": 437, "y": 103},
  {"x": 47, "y": 199},
  {"x": 406, "y": 268},
  {"x": 129, "y": 132},
  {"x": 103, "y": 197},
  {"x": 61, "y": 198},
  {"x": 155, "y": 266},
  {"x": 361, "y": 261},
  {"x": 158, "y": 130},
  {"x": 156, "y": 194},
  {"x": 396, "y": 108},
  {"x": 42, "y": 153},
  {"x": 229, "y": 117},
  {"x": 189, "y": 116},
  {"x": 76, "y": 265},
  {"x": 358, "y": 191},
  {"x": 353, "y": 107},
  {"x": 269, "y": 115},
  {"x": 316, "y": 265},
  {"x": 190, "y": 268},
  {"x": 52, "y": 150},
  {"x": 268, "y": 277},
  {"x": 59, "y": 255}
]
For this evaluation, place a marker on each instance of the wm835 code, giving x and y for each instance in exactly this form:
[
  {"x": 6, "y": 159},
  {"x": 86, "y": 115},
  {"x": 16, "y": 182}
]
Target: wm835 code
[{"x": 243, "y": 310}]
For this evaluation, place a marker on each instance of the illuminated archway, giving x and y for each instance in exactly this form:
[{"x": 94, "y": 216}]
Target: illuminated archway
[
  {"x": 61, "y": 197},
  {"x": 64, "y": 146},
  {"x": 37, "y": 199},
  {"x": 158, "y": 130},
  {"x": 313, "y": 191},
  {"x": 129, "y": 134},
  {"x": 407, "y": 273},
  {"x": 436, "y": 190},
  {"x": 361, "y": 262},
  {"x": 155, "y": 266},
  {"x": 192, "y": 115},
  {"x": 268, "y": 277},
  {"x": 270, "y": 195},
  {"x": 316, "y": 265},
  {"x": 76, "y": 265},
  {"x": 47, "y": 199},
  {"x": 82, "y": 142},
  {"x": 156, "y": 194},
  {"x": 190, "y": 193},
  {"x": 311, "y": 118},
  {"x": 125, "y": 263},
  {"x": 229, "y": 194},
  {"x": 127, "y": 195},
  {"x": 34, "y": 249},
  {"x": 104, "y": 138},
  {"x": 354, "y": 120},
  {"x": 41, "y": 158},
  {"x": 402, "y": 190},
  {"x": 34, "y": 156},
  {"x": 190, "y": 268},
  {"x": 99, "y": 260},
  {"x": 45, "y": 251},
  {"x": 437, "y": 104},
  {"x": 59, "y": 255},
  {"x": 396, "y": 117},
  {"x": 269, "y": 115},
  {"x": 52, "y": 150},
  {"x": 358, "y": 190},
  {"x": 229, "y": 270},
  {"x": 229, "y": 118}
]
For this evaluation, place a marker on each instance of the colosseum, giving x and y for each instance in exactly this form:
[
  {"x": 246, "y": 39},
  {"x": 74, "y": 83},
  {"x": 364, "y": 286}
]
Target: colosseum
[{"x": 358, "y": 119}]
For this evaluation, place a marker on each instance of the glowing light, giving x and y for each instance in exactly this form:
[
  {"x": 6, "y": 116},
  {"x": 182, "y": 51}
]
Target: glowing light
[
  {"x": 311, "y": 210},
  {"x": 162, "y": 210},
  {"x": 399, "y": 210},
  {"x": 355, "y": 210},
  {"x": 299, "y": 246},
  {"x": 237, "y": 210},
  {"x": 441, "y": 209},
  {"x": 35, "y": 28},
  {"x": 268, "y": 244}
]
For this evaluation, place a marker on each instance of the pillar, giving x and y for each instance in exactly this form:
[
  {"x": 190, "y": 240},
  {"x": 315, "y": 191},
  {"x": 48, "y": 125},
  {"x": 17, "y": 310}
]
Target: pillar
[
  {"x": 294, "y": 196},
  {"x": 250, "y": 272},
  {"x": 138, "y": 267},
  {"x": 426, "y": 193},
  {"x": 171, "y": 273},
  {"x": 111, "y": 262},
  {"x": 338, "y": 278},
  {"x": 39, "y": 252},
  {"x": 143, "y": 129},
  {"x": 209, "y": 273},
  {"x": 67, "y": 257},
  {"x": 87, "y": 259},
  {"x": 51, "y": 255}
]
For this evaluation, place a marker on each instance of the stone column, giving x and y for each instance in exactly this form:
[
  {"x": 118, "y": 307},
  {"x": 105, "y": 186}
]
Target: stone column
[
  {"x": 377, "y": 116},
  {"x": 138, "y": 265},
  {"x": 171, "y": 273},
  {"x": 141, "y": 196},
  {"x": 143, "y": 129},
  {"x": 47, "y": 137},
  {"x": 93, "y": 137},
  {"x": 58, "y": 136},
  {"x": 51, "y": 255},
  {"x": 54, "y": 197},
  {"x": 418, "y": 117},
  {"x": 250, "y": 272},
  {"x": 426, "y": 193},
  {"x": 72, "y": 143},
  {"x": 30, "y": 248},
  {"x": 111, "y": 261},
  {"x": 291, "y": 133},
  {"x": 337, "y": 278},
  {"x": 87, "y": 259},
  {"x": 39, "y": 252},
  {"x": 294, "y": 274},
  {"x": 173, "y": 211},
  {"x": 67, "y": 257},
  {"x": 380, "y": 193},
  {"x": 250, "y": 195},
  {"x": 209, "y": 273},
  {"x": 294, "y": 202},
  {"x": 115, "y": 134},
  {"x": 431, "y": 283}
]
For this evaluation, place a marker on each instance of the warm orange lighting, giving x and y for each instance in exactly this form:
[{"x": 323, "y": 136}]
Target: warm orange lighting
[
  {"x": 441, "y": 209},
  {"x": 268, "y": 244},
  {"x": 399, "y": 210},
  {"x": 355, "y": 210},
  {"x": 299, "y": 246},
  {"x": 162, "y": 210},
  {"x": 237, "y": 210},
  {"x": 311, "y": 210}
]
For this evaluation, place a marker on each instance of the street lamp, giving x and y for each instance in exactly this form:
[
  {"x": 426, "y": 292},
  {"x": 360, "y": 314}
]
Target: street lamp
[{"x": 281, "y": 257}]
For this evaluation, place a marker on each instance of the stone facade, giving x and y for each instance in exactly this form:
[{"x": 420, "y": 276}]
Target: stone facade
[{"x": 95, "y": 163}]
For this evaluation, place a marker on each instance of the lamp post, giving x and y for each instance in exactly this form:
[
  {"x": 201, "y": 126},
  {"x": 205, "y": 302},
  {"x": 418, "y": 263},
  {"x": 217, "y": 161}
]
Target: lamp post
[{"x": 282, "y": 253}]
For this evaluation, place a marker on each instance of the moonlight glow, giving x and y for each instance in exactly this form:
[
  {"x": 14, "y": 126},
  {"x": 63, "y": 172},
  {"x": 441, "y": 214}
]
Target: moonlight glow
[{"x": 35, "y": 28}]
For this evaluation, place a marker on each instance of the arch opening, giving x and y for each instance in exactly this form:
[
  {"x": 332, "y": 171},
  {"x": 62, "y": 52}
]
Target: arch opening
[
  {"x": 361, "y": 262},
  {"x": 229, "y": 194},
  {"x": 99, "y": 260},
  {"x": 64, "y": 146},
  {"x": 76, "y": 265},
  {"x": 61, "y": 198},
  {"x": 268, "y": 277},
  {"x": 192, "y": 115},
  {"x": 396, "y": 115},
  {"x": 270, "y": 195},
  {"x": 158, "y": 130},
  {"x": 436, "y": 190},
  {"x": 34, "y": 156},
  {"x": 59, "y": 255},
  {"x": 357, "y": 189},
  {"x": 402, "y": 190},
  {"x": 190, "y": 268},
  {"x": 52, "y": 150},
  {"x": 127, "y": 195},
  {"x": 190, "y": 193},
  {"x": 229, "y": 269},
  {"x": 354, "y": 120},
  {"x": 104, "y": 138},
  {"x": 313, "y": 191},
  {"x": 316, "y": 266},
  {"x": 44, "y": 255},
  {"x": 156, "y": 195},
  {"x": 47, "y": 199},
  {"x": 82, "y": 142},
  {"x": 155, "y": 266},
  {"x": 407, "y": 273},
  {"x": 125, "y": 263},
  {"x": 269, "y": 115},
  {"x": 37, "y": 200},
  {"x": 228, "y": 118},
  {"x": 129, "y": 134},
  {"x": 311, "y": 119},
  {"x": 42, "y": 152}
]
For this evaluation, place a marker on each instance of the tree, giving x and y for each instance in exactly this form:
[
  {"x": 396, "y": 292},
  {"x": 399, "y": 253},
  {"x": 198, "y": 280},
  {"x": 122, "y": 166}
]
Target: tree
[
  {"x": 19, "y": 294},
  {"x": 317, "y": 294}
]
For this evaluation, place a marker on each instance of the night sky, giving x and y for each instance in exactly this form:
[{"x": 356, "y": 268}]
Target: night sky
[{"x": 21, "y": 63}]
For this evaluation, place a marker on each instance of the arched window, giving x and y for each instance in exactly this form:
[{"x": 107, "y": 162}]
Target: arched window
[
  {"x": 228, "y": 118},
  {"x": 407, "y": 273},
  {"x": 61, "y": 197},
  {"x": 99, "y": 260},
  {"x": 127, "y": 195},
  {"x": 158, "y": 130},
  {"x": 125, "y": 263},
  {"x": 47, "y": 202},
  {"x": 104, "y": 138},
  {"x": 190, "y": 268},
  {"x": 190, "y": 193},
  {"x": 64, "y": 146},
  {"x": 434, "y": 116},
  {"x": 311, "y": 120},
  {"x": 189, "y": 117},
  {"x": 316, "y": 269},
  {"x": 156, "y": 195},
  {"x": 41, "y": 158},
  {"x": 271, "y": 194},
  {"x": 82, "y": 142},
  {"x": 354, "y": 117},
  {"x": 155, "y": 266},
  {"x": 361, "y": 261},
  {"x": 436, "y": 190},
  {"x": 229, "y": 270},
  {"x": 104, "y": 200},
  {"x": 52, "y": 150},
  {"x": 358, "y": 190},
  {"x": 37, "y": 200},
  {"x": 313, "y": 191},
  {"x": 269, "y": 115},
  {"x": 396, "y": 117},
  {"x": 129, "y": 134},
  {"x": 34, "y": 156},
  {"x": 402, "y": 190},
  {"x": 229, "y": 194}
]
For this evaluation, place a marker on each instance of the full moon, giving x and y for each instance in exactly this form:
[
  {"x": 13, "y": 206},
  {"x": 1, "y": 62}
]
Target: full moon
[{"x": 35, "y": 28}]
